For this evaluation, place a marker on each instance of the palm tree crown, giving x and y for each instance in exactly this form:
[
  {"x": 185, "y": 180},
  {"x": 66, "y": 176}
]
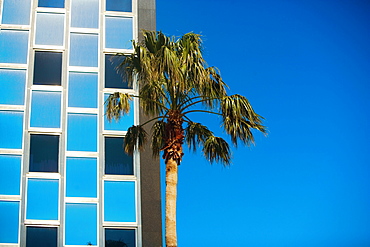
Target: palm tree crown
[{"x": 174, "y": 81}]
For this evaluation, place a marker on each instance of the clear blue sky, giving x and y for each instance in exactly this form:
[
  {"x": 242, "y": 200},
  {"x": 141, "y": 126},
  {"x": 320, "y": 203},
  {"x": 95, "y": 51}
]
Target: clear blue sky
[{"x": 305, "y": 67}]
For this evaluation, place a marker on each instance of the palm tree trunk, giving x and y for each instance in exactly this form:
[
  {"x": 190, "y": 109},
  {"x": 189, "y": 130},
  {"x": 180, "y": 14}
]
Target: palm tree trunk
[{"x": 171, "y": 195}]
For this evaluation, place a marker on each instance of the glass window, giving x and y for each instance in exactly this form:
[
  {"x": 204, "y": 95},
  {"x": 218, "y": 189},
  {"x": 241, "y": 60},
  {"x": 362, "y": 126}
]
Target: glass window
[
  {"x": 81, "y": 224},
  {"x": 13, "y": 46},
  {"x": 11, "y": 129},
  {"x": 10, "y": 174},
  {"x": 45, "y": 109},
  {"x": 116, "y": 160},
  {"x": 83, "y": 82},
  {"x": 21, "y": 7},
  {"x": 9, "y": 222},
  {"x": 51, "y": 3},
  {"x": 82, "y": 132},
  {"x": 48, "y": 68},
  {"x": 120, "y": 237},
  {"x": 44, "y": 153},
  {"x": 42, "y": 199},
  {"x": 119, "y": 5},
  {"x": 81, "y": 177},
  {"x": 41, "y": 236},
  {"x": 118, "y": 32},
  {"x": 113, "y": 79},
  {"x": 12, "y": 84},
  {"x": 49, "y": 29},
  {"x": 85, "y": 13},
  {"x": 84, "y": 50},
  {"x": 123, "y": 123},
  {"x": 119, "y": 201}
]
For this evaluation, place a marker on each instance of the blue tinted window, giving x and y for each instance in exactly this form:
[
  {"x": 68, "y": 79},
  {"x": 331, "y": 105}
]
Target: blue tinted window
[
  {"x": 11, "y": 129},
  {"x": 85, "y": 13},
  {"x": 119, "y": 201},
  {"x": 21, "y": 7},
  {"x": 119, "y": 5},
  {"x": 41, "y": 236},
  {"x": 49, "y": 29},
  {"x": 51, "y": 3},
  {"x": 84, "y": 50},
  {"x": 86, "y": 82},
  {"x": 118, "y": 32},
  {"x": 83, "y": 82},
  {"x": 123, "y": 123},
  {"x": 45, "y": 109},
  {"x": 116, "y": 160},
  {"x": 81, "y": 224},
  {"x": 10, "y": 174},
  {"x": 12, "y": 84},
  {"x": 120, "y": 237},
  {"x": 113, "y": 78},
  {"x": 9, "y": 222},
  {"x": 13, "y": 46},
  {"x": 81, "y": 177},
  {"x": 48, "y": 68},
  {"x": 42, "y": 199},
  {"x": 82, "y": 132},
  {"x": 44, "y": 153}
]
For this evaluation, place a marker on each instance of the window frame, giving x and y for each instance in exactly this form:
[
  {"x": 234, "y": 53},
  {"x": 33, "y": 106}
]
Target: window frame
[
  {"x": 113, "y": 224},
  {"x": 121, "y": 228},
  {"x": 58, "y": 155},
  {"x": 43, "y": 176},
  {"x": 43, "y": 226},
  {"x": 51, "y": 87}
]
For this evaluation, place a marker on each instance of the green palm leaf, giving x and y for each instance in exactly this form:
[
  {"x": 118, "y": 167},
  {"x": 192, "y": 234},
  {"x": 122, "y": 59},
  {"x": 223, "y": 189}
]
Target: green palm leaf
[
  {"x": 158, "y": 133},
  {"x": 217, "y": 150},
  {"x": 196, "y": 134},
  {"x": 135, "y": 139},
  {"x": 117, "y": 105}
]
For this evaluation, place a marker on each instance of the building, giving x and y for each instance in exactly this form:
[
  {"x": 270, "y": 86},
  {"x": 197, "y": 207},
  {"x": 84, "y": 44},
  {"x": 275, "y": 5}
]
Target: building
[{"x": 64, "y": 180}]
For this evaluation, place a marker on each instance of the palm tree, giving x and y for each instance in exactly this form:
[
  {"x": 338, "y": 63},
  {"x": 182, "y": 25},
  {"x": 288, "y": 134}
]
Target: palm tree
[{"x": 174, "y": 82}]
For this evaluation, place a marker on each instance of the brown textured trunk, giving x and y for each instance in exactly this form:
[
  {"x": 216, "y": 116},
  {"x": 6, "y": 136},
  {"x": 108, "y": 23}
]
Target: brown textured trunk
[
  {"x": 171, "y": 197},
  {"x": 174, "y": 136}
]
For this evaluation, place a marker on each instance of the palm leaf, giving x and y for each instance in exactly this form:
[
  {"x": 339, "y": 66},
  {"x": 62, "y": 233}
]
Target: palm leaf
[
  {"x": 135, "y": 139},
  {"x": 158, "y": 141},
  {"x": 239, "y": 118},
  {"x": 216, "y": 149},
  {"x": 196, "y": 134},
  {"x": 117, "y": 105}
]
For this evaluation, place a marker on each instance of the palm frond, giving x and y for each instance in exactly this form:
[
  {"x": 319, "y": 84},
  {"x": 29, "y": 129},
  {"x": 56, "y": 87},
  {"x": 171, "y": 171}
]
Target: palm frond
[
  {"x": 196, "y": 134},
  {"x": 158, "y": 141},
  {"x": 239, "y": 118},
  {"x": 153, "y": 99},
  {"x": 216, "y": 149},
  {"x": 117, "y": 105},
  {"x": 135, "y": 139}
]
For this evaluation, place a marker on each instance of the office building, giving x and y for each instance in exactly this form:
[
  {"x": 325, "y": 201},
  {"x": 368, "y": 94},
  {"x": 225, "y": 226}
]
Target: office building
[{"x": 64, "y": 178}]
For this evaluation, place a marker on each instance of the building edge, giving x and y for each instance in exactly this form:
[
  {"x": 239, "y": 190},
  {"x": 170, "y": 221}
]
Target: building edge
[{"x": 151, "y": 216}]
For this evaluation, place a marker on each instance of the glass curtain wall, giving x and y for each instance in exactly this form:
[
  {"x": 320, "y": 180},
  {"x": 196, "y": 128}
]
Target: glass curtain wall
[{"x": 64, "y": 179}]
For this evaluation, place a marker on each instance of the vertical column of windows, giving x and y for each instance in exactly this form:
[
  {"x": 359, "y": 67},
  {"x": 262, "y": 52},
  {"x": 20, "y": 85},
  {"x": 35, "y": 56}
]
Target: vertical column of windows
[
  {"x": 81, "y": 191},
  {"x": 120, "y": 176},
  {"x": 43, "y": 176},
  {"x": 14, "y": 42}
]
